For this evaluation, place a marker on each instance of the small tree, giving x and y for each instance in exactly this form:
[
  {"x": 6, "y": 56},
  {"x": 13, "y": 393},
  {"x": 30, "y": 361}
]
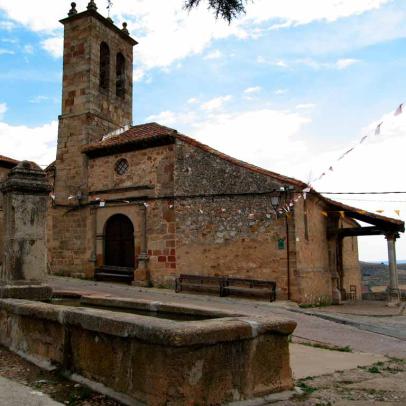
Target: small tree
[{"x": 226, "y": 9}]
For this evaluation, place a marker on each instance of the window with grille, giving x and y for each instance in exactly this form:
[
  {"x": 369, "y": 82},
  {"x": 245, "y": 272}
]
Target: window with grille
[
  {"x": 104, "y": 66},
  {"x": 121, "y": 166}
]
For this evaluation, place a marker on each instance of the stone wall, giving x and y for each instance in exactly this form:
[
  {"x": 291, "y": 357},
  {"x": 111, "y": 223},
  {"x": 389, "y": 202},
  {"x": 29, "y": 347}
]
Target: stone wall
[
  {"x": 224, "y": 234},
  {"x": 3, "y": 175},
  {"x": 150, "y": 173},
  {"x": 313, "y": 266},
  {"x": 351, "y": 266}
]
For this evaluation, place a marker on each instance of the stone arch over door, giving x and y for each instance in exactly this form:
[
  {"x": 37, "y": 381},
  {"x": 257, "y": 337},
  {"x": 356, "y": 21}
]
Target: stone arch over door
[{"x": 119, "y": 249}]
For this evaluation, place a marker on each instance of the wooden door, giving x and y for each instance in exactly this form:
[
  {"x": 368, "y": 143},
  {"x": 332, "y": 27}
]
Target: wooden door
[{"x": 119, "y": 242}]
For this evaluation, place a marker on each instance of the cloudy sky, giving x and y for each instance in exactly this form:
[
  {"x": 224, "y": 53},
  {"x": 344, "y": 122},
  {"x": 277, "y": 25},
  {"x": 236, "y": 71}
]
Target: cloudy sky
[{"x": 290, "y": 86}]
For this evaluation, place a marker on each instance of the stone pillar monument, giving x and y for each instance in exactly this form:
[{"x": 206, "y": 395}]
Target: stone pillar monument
[
  {"x": 25, "y": 202},
  {"x": 141, "y": 275}
]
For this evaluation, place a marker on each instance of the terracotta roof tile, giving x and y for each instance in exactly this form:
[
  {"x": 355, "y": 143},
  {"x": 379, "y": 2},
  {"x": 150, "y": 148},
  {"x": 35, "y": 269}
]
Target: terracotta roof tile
[
  {"x": 134, "y": 135},
  {"x": 8, "y": 162}
]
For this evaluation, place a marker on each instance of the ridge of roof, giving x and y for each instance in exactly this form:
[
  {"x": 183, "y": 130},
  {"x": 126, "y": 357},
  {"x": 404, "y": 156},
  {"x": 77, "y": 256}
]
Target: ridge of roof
[{"x": 149, "y": 131}]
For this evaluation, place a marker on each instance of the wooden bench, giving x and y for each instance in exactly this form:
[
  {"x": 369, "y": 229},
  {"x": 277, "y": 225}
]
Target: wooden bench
[
  {"x": 225, "y": 286},
  {"x": 250, "y": 287},
  {"x": 199, "y": 283}
]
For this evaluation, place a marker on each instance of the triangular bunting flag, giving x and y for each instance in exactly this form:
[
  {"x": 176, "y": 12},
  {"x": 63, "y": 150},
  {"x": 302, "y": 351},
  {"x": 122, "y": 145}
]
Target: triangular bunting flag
[
  {"x": 378, "y": 128},
  {"x": 399, "y": 110}
]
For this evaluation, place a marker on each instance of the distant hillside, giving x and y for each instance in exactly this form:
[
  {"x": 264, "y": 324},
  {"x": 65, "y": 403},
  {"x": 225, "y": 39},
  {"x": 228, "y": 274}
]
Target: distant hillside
[{"x": 377, "y": 274}]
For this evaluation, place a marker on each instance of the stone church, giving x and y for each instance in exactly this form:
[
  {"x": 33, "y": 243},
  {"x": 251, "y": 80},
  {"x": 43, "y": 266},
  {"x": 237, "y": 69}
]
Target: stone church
[{"x": 145, "y": 203}]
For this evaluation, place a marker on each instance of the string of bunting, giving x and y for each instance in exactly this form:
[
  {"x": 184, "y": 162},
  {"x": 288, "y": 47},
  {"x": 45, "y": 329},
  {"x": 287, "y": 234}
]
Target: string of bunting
[{"x": 288, "y": 206}]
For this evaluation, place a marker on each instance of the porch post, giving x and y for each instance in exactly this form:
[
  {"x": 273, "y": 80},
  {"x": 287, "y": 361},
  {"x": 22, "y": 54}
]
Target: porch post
[{"x": 393, "y": 289}]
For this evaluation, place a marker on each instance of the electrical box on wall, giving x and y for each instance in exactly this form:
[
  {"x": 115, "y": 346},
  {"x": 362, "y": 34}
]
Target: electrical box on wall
[{"x": 281, "y": 243}]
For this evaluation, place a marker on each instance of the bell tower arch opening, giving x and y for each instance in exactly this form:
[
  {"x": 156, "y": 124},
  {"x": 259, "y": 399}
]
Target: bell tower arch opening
[
  {"x": 104, "y": 80},
  {"x": 120, "y": 75}
]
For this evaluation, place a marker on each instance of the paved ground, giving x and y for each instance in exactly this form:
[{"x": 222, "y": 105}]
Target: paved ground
[
  {"x": 354, "y": 378},
  {"x": 314, "y": 328},
  {"x": 309, "y": 361},
  {"x": 15, "y": 394}
]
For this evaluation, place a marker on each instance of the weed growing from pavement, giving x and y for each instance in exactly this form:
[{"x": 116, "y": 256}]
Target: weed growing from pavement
[{"x": 306, "y": 388}]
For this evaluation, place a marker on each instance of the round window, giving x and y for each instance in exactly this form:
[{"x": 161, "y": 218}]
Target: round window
[{"x": 121, "y": 166}]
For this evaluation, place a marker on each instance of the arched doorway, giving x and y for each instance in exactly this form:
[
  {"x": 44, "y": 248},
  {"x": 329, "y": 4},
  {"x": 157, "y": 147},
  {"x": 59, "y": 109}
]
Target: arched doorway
[{"x": 119, "y": 242}]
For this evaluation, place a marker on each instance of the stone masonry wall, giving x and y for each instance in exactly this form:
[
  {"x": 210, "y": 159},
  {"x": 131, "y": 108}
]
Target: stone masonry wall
[
  {"x": 351, "y": 265},
  {"x": 313, "y": 267},
  {"x": 3, "y": 175},
  {"x": 150, "y": 174},
  {"x": 227, "y": 235},
  {"x": 150, "y": 170}
]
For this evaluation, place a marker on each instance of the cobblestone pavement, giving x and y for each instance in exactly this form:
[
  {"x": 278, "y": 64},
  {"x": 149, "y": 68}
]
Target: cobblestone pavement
[
  {"x": 380, "y": 384},
  {"x": 309, "y": 327}
]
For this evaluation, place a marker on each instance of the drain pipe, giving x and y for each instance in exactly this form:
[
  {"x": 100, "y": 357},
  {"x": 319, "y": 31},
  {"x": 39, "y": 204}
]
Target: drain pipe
[{"x": 287, "y": 254}]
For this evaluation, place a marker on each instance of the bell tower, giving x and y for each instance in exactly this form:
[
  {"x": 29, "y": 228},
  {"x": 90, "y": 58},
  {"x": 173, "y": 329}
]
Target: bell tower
[{"x": 96, "y": 93}]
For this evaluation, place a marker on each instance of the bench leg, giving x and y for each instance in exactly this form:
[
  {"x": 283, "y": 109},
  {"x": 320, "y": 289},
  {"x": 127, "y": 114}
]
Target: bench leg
[{"x": 178, "y": 286}]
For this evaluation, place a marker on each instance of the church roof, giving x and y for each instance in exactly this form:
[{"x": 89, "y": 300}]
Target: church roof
[
  {"x": 153, "y": 134},
  {"x": 7, "y": 162}
]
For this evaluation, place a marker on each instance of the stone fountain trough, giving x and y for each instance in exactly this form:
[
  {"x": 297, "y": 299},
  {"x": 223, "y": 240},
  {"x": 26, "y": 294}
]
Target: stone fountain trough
[{"x": 145, "y": 360}]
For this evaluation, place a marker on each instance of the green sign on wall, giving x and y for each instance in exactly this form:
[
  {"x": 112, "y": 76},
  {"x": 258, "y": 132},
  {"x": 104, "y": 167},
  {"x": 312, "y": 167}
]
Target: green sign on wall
[{"x": 281, "y": 243}]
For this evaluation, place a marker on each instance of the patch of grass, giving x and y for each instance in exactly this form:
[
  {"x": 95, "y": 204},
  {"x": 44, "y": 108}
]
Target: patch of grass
[
  {"x": 306, "y": 388},
  {"x": 77, "y": 396},
  {"x": 374, "y": 370},
  {"x": 308, "y": 378},
  {"x": 347, "y": 348},
  {"x": 398, "y": 360}
]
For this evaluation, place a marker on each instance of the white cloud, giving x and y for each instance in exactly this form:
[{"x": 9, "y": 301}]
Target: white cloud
[
  {"x": 39, "y": 99},
  {"x": 54, "y": 45},
  {"x": 3, "y": 109},
  {"x": 306, "y": 106},
  {"x": 345, "y": 63},
  {"x": 6, "y": 52},
  {"x": 170, "y": 118},
  {"x": 7, "y": 25},
  {"x": 216, "y": 54},
  {"x": 138, "y": 74},
  {"x": 280, "y": 63},
  {"x": 279, "y": 92},
  {"x": 312, "y": 63},
  {"x": 254, "y": 89},
  {"x": 193, "y": 100},
  {"x": 264, "y": 137},
  {"x": 37, "y": 144},
  {"x": 216, "y": 103},
  {"x": 298, "y": 12},
  {"x": 168, "y": 33}
]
